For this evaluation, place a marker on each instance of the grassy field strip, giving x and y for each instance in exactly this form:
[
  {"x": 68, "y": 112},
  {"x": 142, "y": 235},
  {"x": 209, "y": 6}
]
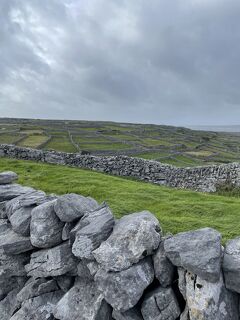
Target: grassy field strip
[{"x": 177, "y": 210}]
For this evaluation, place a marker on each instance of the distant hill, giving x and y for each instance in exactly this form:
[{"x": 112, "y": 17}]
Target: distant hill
[{"x": 233, "y": 128}]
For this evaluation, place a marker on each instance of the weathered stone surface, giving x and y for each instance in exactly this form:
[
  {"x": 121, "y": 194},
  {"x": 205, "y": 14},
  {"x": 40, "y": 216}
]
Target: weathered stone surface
[
  {"x": 68, "y": 226},
  {"x": 98, "y": 227},
  {"x": 198, "y": 251},
  {"x": 132, "y": 314},
  {"x": 134, "y": 236},
  {"x": 70, "y": 207},
  {"x": 10, "y": 191},
  {"x": 13, "y": 243},
  {"x": 19, "y": 211},
  {"x": 182, "y": 281},
  {"x": 122, "y": 290},
  {"x": 83, "y": 270},
  {"x": 3, "y": 214},
  {"x": 65, "y": 282},
  {"x": 9, "y": 284},
  {"x": 12, "y": 265},
  {"x": 51, "y": 262},
  {"x": 36, "y": 287},
  {"x": 38, "y": 308},
  {"x": 83, "y": 302},
  {"x": 45, "y": 226},
  {"x": 185, "y": 314},
  {"x": 208, "y": 301},
  {"x": 231, "y": 265},
  {"x": 163, "y": 267},
  {"x": 160, "y": 304},
  {"x": 8, "y": 177},
  {"x": 4, "y": 225}
]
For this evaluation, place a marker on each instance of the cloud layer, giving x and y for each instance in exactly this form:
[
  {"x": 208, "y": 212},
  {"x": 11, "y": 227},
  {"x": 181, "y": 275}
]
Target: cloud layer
[{"x": 154, "y": 61}]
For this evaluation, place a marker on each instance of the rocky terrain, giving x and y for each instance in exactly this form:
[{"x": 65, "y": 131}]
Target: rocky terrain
[{"x": 67, "y": 257}]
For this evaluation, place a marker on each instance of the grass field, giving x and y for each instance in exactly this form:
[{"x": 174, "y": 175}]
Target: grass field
[
  {"x": 33, "y": 141},
  {"x": 177, "y": 210}
]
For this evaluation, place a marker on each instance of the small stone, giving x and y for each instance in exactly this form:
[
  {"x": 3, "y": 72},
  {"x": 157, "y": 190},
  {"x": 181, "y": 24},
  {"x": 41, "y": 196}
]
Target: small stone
[
  {"x": 122, "y": 290},
  {"x": 163, "y": 267},
  {"x": 83, "y": 302},
  {"x": 197, "y": 251},
  {"x": 231, "y": 265},
  {"x": 132, "y": 314},
  {"x": 134, "y": 237},
  {"x": 13, "y": 243},
  {"x": 45, "y": 226},
  {"x": 10, "y": 191},
  {"x": 97, "y": 229},
  {"x": 66, "y": 230},
  {"x": 160, "y": 304},
  {"x": 71, "y": 207},
  {"x": 8, "y": 177}
]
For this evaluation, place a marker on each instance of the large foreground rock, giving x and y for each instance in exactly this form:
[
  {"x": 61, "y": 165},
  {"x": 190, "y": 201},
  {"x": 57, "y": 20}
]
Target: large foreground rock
[
  {"x": 83, "y": 302},
  {"x": 231, "y": 265},
  {"x": 8, "y": 177},
  {"x": 71, "y": 207},
  {"x": 45, "y": 227},
  {"x": 122, "y": 290},
  {"x": 10, "y": 191},
  {"x": 96, "y": 227},
  {"x": 134, "y": 237},
  {"x": 160, "y": 304},
  {"x": 52, "y": 262},
  {"x": 198, "y": 251},
  {"x": 208, "y": 301}
]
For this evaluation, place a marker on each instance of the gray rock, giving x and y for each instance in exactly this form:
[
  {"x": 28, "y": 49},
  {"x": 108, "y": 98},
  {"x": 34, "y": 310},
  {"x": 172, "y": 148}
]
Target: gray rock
[
  {"x": 11, "y": 266},
  {"x": 185, "y": 314},
  {"x": 197, "y": 251},
  {"x": 83, "y": 302},
  {"x": 71, "y": 207},
  {"x": 8, "y": 177},
  {"x": 134, "y": 236},
  {"x": 93, "y": 267},
  {"x": 10, "y": 191},
  {"x": 231, "y": 265},
  {"x": 163, "y": 267},
  {"x": 13, "y": 243},
  {"x": 160, "y": 304},
  {"x": 122, "y": 290},
  {"x": 83, "y": 270},
  {"x": 38, "y": 308},
  {"x": 51, "y": 262},
  {"x": 132, "y": 314},
  {"x": 210, "y": 301},
  {"x": 65, "y": 282},
  {"x": 97, "y": 229},
  {"x": 19, "y": 211},
  {"x": 45, "y": 226},
  {"x": 4, "y": 225},
  {"x": 3, "y": 214},
  {"x": 66, "y": 230},
  {"x": 182, "y": 281},
  {"x": 9, "y": 284},
  {"x": 36, "y": 287}
]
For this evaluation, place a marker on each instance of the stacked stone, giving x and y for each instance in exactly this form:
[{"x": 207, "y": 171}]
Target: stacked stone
[{"x": 67, "y": 258}]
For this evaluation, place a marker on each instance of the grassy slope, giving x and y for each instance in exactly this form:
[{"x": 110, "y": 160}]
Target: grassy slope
[{"x": 177, "y": 210}]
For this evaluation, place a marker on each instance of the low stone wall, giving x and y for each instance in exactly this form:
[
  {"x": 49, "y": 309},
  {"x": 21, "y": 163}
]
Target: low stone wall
[
  {"x": 66, "y": 257},
  {"x": 199, "y": 178}
]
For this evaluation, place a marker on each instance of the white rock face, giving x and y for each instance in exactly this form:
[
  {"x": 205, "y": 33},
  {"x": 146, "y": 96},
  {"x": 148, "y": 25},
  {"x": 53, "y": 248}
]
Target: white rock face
[{"x": 210, "y": 301}]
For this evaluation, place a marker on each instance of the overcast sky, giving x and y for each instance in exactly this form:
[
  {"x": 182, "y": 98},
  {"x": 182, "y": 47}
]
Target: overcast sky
[{"x": 155, "y": 61}]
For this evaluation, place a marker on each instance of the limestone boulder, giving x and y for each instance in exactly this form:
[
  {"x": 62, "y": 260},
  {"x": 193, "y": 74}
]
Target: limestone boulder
[
  {"x": 160, "y": 304},
  {"x": 55, "y": 261},
  {"x": 98, "y": 226},
  {"x": 134, "y": 237},
  {"x": 208, "y": 301},
  {"x": 8, "y": 177},
  {"x": 71, "y": 207},
  {"x": 83, "y": 302},
  {"x": 122, "y": 290},
  {"x": 10, "y": 191},
  {"x": 231, "y": 265},
  {"x": 12, "y": 265},
  {"x": 199, "y": 252},
  {"x": 45, "y": 227},
  {"x": 3, "y": 214},
  {"x": 13, "y": 243}
]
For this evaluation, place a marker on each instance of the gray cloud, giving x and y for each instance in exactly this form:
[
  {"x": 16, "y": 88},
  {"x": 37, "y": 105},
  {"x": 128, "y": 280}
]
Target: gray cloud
[{"x": 155, "y": 61}]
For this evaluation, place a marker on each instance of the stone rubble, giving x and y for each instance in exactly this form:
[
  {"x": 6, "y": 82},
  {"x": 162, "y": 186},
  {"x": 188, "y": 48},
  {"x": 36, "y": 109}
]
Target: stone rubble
[{"x": 67, "y": 258}]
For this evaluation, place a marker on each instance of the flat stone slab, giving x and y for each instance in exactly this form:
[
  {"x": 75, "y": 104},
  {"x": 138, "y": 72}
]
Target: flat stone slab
[
  {"x": 83, "y": 301},
  {"x": 52, "y": 262},
  {"x": 13, "y": 243},
  {"x": 10, "y": 191},
  {"x": 122, "y": 290},
  {"x": 8, "y": 177},
  {"x": 134, "y": 237},
  {"x": 197, "y": 251}
]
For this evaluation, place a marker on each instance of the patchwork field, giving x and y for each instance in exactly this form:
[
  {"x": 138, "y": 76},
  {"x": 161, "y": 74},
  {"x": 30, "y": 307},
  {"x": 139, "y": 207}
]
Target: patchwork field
[
  {"x": 167, "y": 144},
  {"x": 177, "y": 210}
]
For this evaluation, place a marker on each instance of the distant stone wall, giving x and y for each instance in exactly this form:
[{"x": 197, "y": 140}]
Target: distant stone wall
[
  {"x": 199, "y": 178},
  {"x": 67, "y": 258}
]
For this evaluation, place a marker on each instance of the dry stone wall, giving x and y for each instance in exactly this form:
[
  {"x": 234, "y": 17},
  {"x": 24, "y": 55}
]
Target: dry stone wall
[
  {"x": 67, "y": 257},
  {"x": 199, "y": 178}
]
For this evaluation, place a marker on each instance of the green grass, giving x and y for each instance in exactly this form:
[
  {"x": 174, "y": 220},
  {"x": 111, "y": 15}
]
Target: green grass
[
  {"x": 33, "y": 141},
  {"x": 60, "y": 144},
  {"x": 177, "y": 210},
  {"x": 8, "y": 138},
  {"x": 104, "y": 146}
]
